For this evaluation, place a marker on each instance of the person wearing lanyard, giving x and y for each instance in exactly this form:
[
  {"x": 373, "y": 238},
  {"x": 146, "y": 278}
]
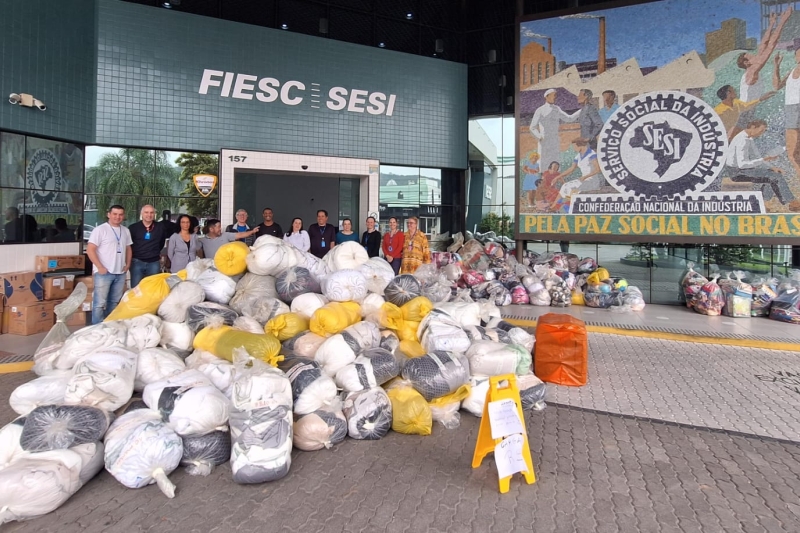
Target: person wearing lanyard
[
  {"x": 322, "y": 235},
  {"x": 393, "y": 246},
  {"x": 241, "y": 227},
  {"x": 371, "y": 239},
  {"x": 415, "y": 249},
  {"x": 110, "y": 252},
  {"x": 148, "y": 238}
]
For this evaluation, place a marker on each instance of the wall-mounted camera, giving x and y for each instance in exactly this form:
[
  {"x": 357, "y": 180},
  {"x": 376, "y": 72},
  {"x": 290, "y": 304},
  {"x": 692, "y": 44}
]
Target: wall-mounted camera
[
  {"x": 26, "y": 100},
  {"x": 304, "y": 167},
  {"x": 39, "y": 104},
  {"x": 14, "y": 98}
]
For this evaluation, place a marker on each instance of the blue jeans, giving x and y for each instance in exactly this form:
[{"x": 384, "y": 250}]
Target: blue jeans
[
  {"x": 108, "y": 291},
  {"x": 141, "y": 269}
]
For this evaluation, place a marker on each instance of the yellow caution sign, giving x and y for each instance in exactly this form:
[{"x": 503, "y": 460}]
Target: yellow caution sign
[{"x": 502, "y": 431}]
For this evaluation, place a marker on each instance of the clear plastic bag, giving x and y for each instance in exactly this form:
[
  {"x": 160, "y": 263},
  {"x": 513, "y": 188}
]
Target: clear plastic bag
[
  {"x": 437, "y": 373},
  {"x": 402, "y": 289},
  {"x": 181, "y": 297},
  {"x": 58, "y": 427},
  {"x": 144, "y": 331},
  {"x": 366, "y": 372},
  {"x": 79, "y": 344},
  {"x": 204, "y": 314},
  {"x": 201, "y": 453},
  {"x": 59, "y": 332},
  {"x": 141, "y": 450},
  {"x": 103, "y": 379},
  {"x": 295, "y": 281},
  {"x": 44, "y": 390},
  {"x": 786, "y": 306},
  {"x": 368, "y": 414},
  {"x": 311, "y": 388},
  {"x": 320, "y": 429}
]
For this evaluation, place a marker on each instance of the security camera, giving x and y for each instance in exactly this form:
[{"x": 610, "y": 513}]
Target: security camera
[
  {"x": 39, "y": 104},
  {"x": 304, "y": 167},
  {"x": 14, "y": 98}
]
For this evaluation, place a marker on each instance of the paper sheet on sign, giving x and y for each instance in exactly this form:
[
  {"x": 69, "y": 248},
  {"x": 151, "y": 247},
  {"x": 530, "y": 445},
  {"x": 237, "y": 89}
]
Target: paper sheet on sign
[
  {"x": 504, "y": 419},
  {"x": 508, "y": 456}
]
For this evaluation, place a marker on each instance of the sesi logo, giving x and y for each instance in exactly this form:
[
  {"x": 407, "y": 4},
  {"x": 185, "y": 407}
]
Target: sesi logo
[{"x": 293, "y": 92}]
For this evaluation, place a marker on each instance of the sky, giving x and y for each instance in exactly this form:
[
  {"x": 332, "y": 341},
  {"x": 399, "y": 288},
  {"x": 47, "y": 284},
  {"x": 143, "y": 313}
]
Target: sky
[{"x": 627, "y": 30}]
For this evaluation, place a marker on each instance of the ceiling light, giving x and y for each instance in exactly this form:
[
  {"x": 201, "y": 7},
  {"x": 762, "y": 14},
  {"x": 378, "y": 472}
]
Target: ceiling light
[
  {"x": 167, "y": 5},
  {"x": 382, "y": 45},
  {"x": 409, "y": 16},
  {"x": 284, "y": 26}
]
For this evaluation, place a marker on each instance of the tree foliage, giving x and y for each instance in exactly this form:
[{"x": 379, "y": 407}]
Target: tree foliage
[
  {"x": 192, "y": 165},
  {"x": 131, "y": 178},
  {"x": 501, "y": 225}
]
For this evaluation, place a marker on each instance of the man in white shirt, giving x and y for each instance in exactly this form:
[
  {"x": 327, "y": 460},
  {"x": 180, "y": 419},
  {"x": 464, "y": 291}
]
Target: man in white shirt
[
  {"x": 545, "y": 124},
  {"x": 745, "y": 164},
  {"x": 110, "y": 251}
]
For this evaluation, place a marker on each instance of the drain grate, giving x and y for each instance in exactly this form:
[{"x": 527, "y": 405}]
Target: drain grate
[
  {"x": 656, "y": 329},
  {"x": 15, "y": 359}
]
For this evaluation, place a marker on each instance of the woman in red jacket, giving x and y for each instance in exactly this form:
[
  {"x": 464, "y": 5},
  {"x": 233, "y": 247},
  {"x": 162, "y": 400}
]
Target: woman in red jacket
[{"x": 393, "y": 246}]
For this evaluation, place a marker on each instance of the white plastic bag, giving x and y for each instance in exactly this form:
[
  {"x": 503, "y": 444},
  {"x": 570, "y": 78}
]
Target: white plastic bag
[
  {"x": 488, "y": 358},
  {"x": 345, "y": 286},
  {"x": 333, "y": 354},
  {"x": 439, "y": 331},
  {"x": 89, "y": 339},
  {"x": 372, "y": 304},
  {"x": 143, "y": 332},
  {"x": 103, "y": 379},
  {"x": 36, "y": 484},
  {"x": 374, "y": 368},
  {"x": 44, "y": 390},
  {"x": 378, "y": 274},
  {"x": 303, "y": 344},
  {"x": 182, "y": 295},
  {"x": 479, "y": 387},
  {"x": 155, "y": 364},
  {"x": 141, "y": 450},
  {"x": 270, "y": 259},
  {"x": 177, "y": 337},
  {"x": 305, "y": 304},
  {"x": 311, "y": 388},
  {"x": 249, "y": 324},
  {"x": 59, "y": 333},
  {"x": 188, "y": 402},
  {"x": 346, "y": 256},
  {"x": 217, "y": 286}
]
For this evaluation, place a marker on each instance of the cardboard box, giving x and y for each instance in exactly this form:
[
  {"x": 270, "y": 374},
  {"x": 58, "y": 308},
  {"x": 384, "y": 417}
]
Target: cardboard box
[
  {"x": 29, "y": 319},
  {"x": 80, "y": 318},
  {"x": 58, "y": 287},
  {"x": 54, "y": 263},
  {"x": 86, "y": 280},
  {"x": 22, "y": 288}
]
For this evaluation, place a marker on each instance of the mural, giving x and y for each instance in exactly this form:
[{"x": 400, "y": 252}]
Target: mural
[{"x": 676, "y": 120}]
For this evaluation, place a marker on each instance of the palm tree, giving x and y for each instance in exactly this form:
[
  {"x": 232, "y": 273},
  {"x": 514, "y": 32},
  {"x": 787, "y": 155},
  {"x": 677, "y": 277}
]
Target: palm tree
[{"x": 131, "y": 178}]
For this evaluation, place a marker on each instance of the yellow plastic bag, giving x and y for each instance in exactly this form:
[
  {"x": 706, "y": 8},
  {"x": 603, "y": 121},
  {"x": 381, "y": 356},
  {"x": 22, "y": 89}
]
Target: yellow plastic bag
[
  {"x": 411, "y": 414},
  {"x": 333, "y": 317},
  {"x": 222, "y": 341},
  {"x": 456, "y": 396},
  {"x": 577, "y": 297},
  {"x": 286, "y": 326},
  {"x": 597, "y": 277},
  {"x": 389, "y": 316},
  {"x": 411, "y": 349},
  {"x": 142, "y": 299},
  {"x": 416, "y": 309},
  {"x": 230, "y": 258},
  {"x": 445, "y": 409},
  {"x": 408, "y": 331}
]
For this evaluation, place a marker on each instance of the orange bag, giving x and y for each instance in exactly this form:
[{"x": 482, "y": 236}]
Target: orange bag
[{"x": 561, "y": 352}]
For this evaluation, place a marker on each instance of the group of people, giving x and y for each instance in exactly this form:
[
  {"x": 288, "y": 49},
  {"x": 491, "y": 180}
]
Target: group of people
[{"x": 146, "y": 247}]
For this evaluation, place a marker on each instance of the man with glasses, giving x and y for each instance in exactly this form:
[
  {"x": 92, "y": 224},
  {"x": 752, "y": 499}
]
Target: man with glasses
[{"x": 241, "y": 227}]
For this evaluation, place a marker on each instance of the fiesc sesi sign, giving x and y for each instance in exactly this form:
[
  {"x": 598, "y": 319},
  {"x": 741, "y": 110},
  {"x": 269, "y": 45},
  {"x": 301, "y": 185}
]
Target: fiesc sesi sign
[{"x": 292, "y": 93}]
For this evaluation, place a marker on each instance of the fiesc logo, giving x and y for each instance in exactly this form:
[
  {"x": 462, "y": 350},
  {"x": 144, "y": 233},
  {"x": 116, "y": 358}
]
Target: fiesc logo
[{"x": 662, "y": 144}]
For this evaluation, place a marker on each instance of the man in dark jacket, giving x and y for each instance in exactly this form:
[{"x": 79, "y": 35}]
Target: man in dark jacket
[{"x": 269, "y": 227}]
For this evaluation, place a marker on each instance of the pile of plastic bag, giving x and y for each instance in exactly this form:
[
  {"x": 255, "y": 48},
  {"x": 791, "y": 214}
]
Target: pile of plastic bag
[{"x": 246, "y": 357}]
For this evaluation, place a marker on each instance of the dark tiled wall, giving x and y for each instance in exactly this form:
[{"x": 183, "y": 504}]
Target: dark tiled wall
[
  {"x": 150, "y": 64},
  {"x": 47, "y": 49}
]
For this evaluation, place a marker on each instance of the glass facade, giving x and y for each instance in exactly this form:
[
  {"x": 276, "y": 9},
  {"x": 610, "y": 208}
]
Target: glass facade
[
  {"x": 133, "y": 178},
  {"x": 41, "y": 189}
]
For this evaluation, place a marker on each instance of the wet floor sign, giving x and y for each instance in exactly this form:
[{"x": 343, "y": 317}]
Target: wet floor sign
[{"x": 503, "y": 432}]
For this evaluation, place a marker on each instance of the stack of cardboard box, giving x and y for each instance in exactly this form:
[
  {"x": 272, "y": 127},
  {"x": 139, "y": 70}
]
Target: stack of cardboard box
[{"x": 29, "y": 298}]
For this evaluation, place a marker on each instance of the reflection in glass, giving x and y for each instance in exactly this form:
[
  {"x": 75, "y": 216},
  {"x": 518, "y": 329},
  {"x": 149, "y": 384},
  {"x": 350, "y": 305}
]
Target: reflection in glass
[
  {"x": 192, "y": 201},
  {"x": 12, "y": 160},
  {"x": 128, "y": 177},
  {"x": 54, "y": 166},
  {"x": 430, "y": 186}
]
